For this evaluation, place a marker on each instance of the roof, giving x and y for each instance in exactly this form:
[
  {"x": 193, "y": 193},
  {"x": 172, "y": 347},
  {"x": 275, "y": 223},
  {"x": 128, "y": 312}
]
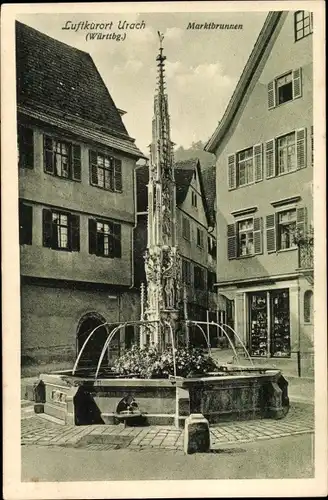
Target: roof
[
  {"x": 183, "y": 173},
  {"x": 209, "y": 180},
  {"x": 115, "y": 143},
  {"x": 259, "y": 51},
  {"x": 61, "y": 77}
]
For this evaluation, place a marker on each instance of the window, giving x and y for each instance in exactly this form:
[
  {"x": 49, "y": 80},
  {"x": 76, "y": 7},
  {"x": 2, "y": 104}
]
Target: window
[
  {"x": 199, "y": 278},
  {"x": 211, "y": 280},
  {"x": 186, "y": 228},
  {"x": 269, "y": 323},
  {"x": 245, "y": 167},
  {"x": 308, "y": 306},
  {"x": 25, "y": 147},
  {"x": 286, "y": 229},
  {"x": 285, "y": 154},
  {"x": 193, "y": 199},
  {"x": 105, "y": 238},
  {"x": 62, "y": 159},
  {"x": 303, "y": 24},
  {"x": 199, "y": 238},
  {"x": 25, "y": 224},
  {"x": 61, "y": 230},
  {"x": 245, "y": 174},
  {"x": 281, "y": 228},
  {"x": 286, "y": 151},
  {"x": 244, "y": 238},
  {"x": 285, "y": 88},
  {"x": 105, "y": 171},
  {"x": 212, "y": 247},
  {"x": 186, "y": 272}
]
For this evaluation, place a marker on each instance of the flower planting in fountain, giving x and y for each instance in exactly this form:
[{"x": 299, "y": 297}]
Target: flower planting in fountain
[{"x": 149, "y": 362}]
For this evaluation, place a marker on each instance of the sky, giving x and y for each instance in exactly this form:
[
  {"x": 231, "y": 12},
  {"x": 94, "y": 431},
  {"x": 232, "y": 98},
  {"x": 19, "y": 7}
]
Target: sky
[{"x": 202, "y": 66}]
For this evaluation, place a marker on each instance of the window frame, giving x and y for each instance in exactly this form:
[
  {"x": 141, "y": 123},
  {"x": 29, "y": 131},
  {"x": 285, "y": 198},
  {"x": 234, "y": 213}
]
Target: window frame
[
  {"x": 280, "y": 224},
  {"x": 74, "y": 158},
  {"x": 278, "y": 173},
  {"x": 284, "y": 75},
  {"x": 310, "y": 16},
  {"x": 73, "y": 230},
  {"x": 186, "y": 223},
  {"x": 239, "y": 161},
  {"x": 246, "y": 232},
  {"x": 112, "y": 170},
  {"x": 25, "y": 146},
  {"x": 114, "y": 241},
  {"x": 200, "y": 238},
  {"x": 25, "y": 233}
]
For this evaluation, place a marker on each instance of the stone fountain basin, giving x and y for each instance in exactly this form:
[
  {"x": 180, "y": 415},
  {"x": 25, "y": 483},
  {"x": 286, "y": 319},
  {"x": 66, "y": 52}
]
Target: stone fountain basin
[{"x": 233, "y": 395}]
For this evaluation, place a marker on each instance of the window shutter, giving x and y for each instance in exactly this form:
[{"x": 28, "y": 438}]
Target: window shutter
[
  {"x": 271, "y": 232},
  {"x": 117, "y": 251},
  {"x": 301, "y": 148},
  {"x": 76, "y": 161},
  {"x": 271, "y": 95},
  {"x": 117, "y": 175},
  {"x": 258, "y": 246},
  {"x": 93, "y": 167},
  {"x": 270, "y": 160},
  {"x": 49, "y": 164},
  {"x": 301, "y": 221},
  {"x": 92, "y": 236},
  {"x": 75, "y": 233},
  {"x": 25, "y": 147},
  {"x": 258, "y": 162},
  {"x": 25, "y": 224},
  {"x": 47, "y": 227},
  {"x": 297, "y": 83},
  {"x": 232, "y": 171},
  {"x": 232, "y": 241}
]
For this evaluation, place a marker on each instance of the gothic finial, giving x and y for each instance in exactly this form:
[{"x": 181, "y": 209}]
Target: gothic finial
[{"x": 161, "y": 38}]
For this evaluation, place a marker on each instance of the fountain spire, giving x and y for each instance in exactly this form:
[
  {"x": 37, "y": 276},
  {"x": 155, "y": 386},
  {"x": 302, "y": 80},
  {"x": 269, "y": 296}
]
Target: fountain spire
[{"x": 161, "y": 258}]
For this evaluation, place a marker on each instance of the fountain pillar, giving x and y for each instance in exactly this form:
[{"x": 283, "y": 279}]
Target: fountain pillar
[{"x": 162, "y": 262}]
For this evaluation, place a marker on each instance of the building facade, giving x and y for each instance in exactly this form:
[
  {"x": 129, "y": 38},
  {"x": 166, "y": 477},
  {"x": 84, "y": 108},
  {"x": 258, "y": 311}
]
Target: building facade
[
  {"x": 76, "y": 204},
  {"x": 196, "y": 242},
  {"x": 264, "y": 151}
]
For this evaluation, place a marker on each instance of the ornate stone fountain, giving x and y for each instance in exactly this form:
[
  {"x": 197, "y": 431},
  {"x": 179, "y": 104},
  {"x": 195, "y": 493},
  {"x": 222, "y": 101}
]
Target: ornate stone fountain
[{"x": 80, "y": 397}]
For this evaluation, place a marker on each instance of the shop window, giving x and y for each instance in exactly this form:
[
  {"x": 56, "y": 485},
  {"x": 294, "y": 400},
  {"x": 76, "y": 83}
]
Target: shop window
[
  {"x": 308, "y": 306},
  {"x": 269, "y": 323}
]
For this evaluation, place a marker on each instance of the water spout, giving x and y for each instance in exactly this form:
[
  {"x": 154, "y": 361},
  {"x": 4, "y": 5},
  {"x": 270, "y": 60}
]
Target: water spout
[
  {"x": 242, "y": 343},
  {"x": 84, "y": 345},
  {"x": 204, "y": 334}
]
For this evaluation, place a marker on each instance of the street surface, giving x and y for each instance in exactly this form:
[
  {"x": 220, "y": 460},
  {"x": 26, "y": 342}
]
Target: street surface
[
  {"x": 289, "y": 457},
  {"x": 263, "y": 448}
]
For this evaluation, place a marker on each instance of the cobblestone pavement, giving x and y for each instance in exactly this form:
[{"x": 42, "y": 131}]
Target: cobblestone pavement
[{"x": 37, "y": 429}]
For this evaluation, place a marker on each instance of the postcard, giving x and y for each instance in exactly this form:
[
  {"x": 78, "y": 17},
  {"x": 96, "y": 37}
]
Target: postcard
[{"x": 163, "y": 228}]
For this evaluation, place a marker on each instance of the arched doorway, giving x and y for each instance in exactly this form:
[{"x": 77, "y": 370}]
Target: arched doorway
[{"x": 92, "y": 350}]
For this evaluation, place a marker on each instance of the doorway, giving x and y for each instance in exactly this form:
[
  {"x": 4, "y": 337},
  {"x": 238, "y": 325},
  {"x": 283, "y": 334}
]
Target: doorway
[{"x": 92, "y": 350}]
